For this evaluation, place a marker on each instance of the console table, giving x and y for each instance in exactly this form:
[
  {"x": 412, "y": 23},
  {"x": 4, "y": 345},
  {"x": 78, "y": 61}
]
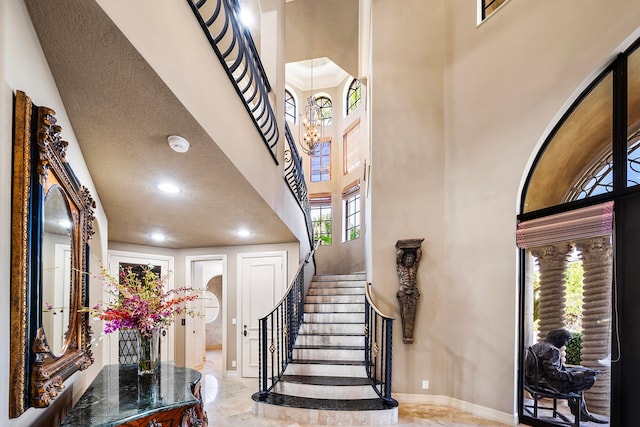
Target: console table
[{"x": 119, "y": 397}]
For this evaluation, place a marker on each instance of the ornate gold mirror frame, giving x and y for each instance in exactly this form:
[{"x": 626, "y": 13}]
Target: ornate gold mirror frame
[{"x": 39, "y": 163}]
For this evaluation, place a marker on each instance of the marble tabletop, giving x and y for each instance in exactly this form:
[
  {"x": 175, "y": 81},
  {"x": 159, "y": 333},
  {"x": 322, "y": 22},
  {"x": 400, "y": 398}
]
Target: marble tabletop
[{"x": 118, "y": 395}]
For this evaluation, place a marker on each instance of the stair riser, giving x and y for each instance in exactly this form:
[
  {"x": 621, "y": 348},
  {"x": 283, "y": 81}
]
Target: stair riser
[
  {"x": 335, "y": 299},
  {"x": 336, "y": 277},
  {"x": 347, "y": 340},
  {"x": 331, "y": 328},
  {"x": 325, "y": 392},
  {"x": 339, "y": 284},
  {"x": 325, "y": 354},
  {"x": 335, "y": 291},
  {"x": 320, "y": 370},
  {"x": 334, "y": 308},
  {"x": 334, "y": 317}
]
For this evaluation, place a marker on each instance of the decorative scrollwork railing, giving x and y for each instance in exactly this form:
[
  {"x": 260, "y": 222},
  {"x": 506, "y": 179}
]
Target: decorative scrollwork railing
[
  {"x": 279, "y": 330},
  {"x": 294, "y": 175},
  {"x": 377, "y": 347},
  {"x": 235, "y": 49}
]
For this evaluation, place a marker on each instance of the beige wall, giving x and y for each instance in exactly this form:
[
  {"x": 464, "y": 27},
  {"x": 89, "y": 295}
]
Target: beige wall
[
  {"x": 23, "y": 67},
  {"x": 457, "y": 178},
  {"x": 327, "y": 28},
  {"x": 407, "y": 180}
]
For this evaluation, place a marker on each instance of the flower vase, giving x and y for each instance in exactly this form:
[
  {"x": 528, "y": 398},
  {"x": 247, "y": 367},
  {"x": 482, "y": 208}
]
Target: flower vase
[{"x": 148, "y": 351}]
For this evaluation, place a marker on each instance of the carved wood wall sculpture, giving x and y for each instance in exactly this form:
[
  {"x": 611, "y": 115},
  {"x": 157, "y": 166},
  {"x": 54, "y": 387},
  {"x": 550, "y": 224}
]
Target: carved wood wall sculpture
[
  {"x": 408, "y": 255},
  {"x": 41, "y": 169}
]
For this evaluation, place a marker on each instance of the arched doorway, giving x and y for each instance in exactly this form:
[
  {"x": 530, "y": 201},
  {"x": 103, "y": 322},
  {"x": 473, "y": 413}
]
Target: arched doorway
[{"x": 586, "y": 171}]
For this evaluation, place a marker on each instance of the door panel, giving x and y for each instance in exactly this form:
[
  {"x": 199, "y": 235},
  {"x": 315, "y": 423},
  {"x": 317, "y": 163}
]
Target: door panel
[{"x": 262, "y": 281}]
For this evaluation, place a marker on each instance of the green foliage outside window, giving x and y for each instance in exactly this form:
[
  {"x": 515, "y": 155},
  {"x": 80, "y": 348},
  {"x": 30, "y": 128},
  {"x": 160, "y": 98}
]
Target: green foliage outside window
[
  {"x": 574, "y": 276},
  {"x": 322, "y": 228},
  {"x": 574, "y": 349},
  {"x": 574, "y": 282}
]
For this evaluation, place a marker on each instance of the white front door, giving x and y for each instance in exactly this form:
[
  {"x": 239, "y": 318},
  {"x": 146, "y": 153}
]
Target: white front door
[
  {"x": 118, "y": 259},
  {"x": 262, "y": 281}
]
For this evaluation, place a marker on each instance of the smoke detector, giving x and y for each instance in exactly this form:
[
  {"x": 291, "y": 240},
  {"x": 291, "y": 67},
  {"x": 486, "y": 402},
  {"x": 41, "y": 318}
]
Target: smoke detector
[{"x": 178, "y": 143}]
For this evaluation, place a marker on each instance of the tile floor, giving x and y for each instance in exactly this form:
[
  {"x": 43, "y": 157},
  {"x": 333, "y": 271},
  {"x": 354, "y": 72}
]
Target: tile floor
[{"x": 228, "y": 403}]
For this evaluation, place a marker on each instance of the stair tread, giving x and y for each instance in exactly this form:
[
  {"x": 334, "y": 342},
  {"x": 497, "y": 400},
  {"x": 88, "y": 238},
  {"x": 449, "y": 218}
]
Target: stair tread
[
  {"x": 328, "y": 347},
  {"x": 329, "y": 334},
  {"x": 326, "y": 381},
  {"x": 328, "y": 362},
  {"x": 327, "y": 404}
]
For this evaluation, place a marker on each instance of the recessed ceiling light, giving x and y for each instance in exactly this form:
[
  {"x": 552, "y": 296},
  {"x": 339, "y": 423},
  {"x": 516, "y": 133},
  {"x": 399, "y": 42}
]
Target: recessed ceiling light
[
  {"x": 169, "y": 187},
  {"x": 158, "y": 237},
  {"x": 178, "y": 143},
  {"x": 243, "y": 232}
]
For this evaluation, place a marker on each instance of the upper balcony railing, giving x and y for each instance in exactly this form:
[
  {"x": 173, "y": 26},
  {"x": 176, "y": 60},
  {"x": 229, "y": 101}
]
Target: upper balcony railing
[
  {"x": 234, "y": 46},
  {"x": 294, "y": 175}
]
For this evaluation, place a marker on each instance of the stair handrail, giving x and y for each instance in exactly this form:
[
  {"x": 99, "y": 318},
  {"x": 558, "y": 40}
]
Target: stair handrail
[
  {"x": 378, "y": 334},
  {"x": 233, "y": 45},
  {"x": 280, "y": 328}
]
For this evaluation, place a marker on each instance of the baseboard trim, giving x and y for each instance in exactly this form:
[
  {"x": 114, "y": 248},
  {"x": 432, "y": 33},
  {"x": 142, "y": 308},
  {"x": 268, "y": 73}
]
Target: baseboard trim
[
  {"x": 213, "y": 347},
  {"x": 480, "y": 411},
  {"x": 231, "y": 373}
]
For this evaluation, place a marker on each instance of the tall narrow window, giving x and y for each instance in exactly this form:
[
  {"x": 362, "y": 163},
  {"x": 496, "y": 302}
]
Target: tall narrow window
[
  {"x": 289, "y": 107},
  {"x": 351, "y": 146},
  {"x": 321, "y": 163},
  {"x": 321, "y": 217},
  {"x": 324, "y": 109},
  {"x": 351, "y": 202},
  {"x": 354, "y": 95}
]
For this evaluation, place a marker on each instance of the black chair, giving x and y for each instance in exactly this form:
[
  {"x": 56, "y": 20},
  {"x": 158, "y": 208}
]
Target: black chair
[{"x": 537, "y": 392}]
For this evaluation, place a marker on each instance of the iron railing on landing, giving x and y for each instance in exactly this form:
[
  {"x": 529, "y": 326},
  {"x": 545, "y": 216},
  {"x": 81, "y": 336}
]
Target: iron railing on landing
[
  {"x": 378, "y": 329},
  {"x": 294, "y": 175},
  {"x": 279, "y": 330},
  {"x": 234, "y": 46}
]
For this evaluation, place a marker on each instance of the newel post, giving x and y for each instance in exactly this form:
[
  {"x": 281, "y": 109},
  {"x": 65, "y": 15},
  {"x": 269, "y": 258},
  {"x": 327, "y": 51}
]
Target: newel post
[{"x": 408, "y": 256}]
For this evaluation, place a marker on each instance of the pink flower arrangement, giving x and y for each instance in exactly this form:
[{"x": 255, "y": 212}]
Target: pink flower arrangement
[{"x": 139, "y": 301}]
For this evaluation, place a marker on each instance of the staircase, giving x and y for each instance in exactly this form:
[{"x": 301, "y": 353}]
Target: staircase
[{"x": 326, "y": 383}]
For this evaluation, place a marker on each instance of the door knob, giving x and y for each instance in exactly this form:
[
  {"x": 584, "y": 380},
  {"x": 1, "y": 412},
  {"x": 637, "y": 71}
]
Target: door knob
[{"x": 245, "y": 331}]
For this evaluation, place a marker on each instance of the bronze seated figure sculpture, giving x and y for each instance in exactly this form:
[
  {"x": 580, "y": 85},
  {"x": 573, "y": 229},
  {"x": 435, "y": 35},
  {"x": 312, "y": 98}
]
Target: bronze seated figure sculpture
[{"x": 545, "y": 371}]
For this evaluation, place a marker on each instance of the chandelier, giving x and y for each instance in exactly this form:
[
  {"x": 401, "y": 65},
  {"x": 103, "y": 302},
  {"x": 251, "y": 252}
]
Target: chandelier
[
  {"x": 311, "y": 127},
  {"x": 311, "y": 124}
]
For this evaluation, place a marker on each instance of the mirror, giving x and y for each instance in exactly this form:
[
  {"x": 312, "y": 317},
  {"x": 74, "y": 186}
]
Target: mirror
[
  {"x": 56, "y": 269},
  {"x": 51, "y": 223}
]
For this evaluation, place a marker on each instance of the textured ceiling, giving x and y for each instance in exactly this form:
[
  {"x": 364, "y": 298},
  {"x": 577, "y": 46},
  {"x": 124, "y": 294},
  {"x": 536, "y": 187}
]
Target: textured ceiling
[{"x": 122, "y": 113}]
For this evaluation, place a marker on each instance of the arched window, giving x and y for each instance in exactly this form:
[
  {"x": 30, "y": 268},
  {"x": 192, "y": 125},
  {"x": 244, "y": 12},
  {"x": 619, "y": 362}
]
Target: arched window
[
  {"x": 324, "y": 109},
  {"x": 587, "y": 169},
  {"x": 354, "y": 95},
  {"x": 289, "y": 107}
]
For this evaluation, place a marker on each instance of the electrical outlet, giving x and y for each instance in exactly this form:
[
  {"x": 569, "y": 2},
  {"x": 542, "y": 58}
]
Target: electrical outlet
[
  {"x": 425, "y": 384},
  {"x": 233, "y": 364}
]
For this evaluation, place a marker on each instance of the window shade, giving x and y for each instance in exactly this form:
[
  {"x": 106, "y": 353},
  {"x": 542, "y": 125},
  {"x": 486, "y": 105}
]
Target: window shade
[
  {"x": 582, "y": 223},
  {"x": 320, "y": 199},
  {"x": 350, "y": 189}
]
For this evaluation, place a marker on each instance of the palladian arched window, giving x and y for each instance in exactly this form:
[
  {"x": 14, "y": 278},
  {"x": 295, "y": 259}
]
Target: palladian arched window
[
  {"x": 354, "y": 95},
  {"x": 324, "y": 109},
  {"x": 581, "y": 191}
]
